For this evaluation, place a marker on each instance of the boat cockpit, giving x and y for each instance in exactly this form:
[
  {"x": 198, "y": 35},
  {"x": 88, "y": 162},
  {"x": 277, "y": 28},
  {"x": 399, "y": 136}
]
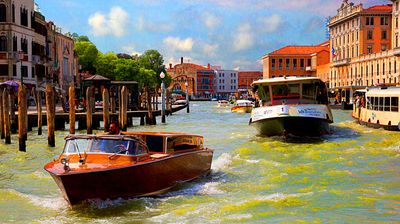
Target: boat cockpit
[
  {"x": 278, "y": 93},
  {"x": 132, "y": 144}
]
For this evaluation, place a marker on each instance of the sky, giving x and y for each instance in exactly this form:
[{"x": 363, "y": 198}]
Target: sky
[{"x": 233, "y": 34}]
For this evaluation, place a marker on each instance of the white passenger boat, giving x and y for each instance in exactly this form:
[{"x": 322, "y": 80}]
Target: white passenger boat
[
  {"x": 378, "y": 108},
  {"x": 291, "y": 105}
]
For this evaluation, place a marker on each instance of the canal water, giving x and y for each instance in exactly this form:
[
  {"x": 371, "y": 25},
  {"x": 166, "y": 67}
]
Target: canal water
[{"x": 349, "y": 176}]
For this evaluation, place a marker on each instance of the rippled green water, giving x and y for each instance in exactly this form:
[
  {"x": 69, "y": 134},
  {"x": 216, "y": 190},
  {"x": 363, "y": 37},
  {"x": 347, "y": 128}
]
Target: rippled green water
[{"x": 350, "y": 176}]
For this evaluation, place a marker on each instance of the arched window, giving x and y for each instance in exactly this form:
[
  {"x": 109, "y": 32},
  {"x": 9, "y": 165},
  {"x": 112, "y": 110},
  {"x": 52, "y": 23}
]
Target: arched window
[
  {"x": 13, "y": 13},
  {"x": 3, "y": 43},
  {"x": 3, "y": 13}
]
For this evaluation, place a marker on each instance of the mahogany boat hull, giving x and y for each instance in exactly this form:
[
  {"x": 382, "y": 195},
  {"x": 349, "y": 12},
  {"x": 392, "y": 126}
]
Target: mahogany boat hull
[{"x": 141, "y": 179}]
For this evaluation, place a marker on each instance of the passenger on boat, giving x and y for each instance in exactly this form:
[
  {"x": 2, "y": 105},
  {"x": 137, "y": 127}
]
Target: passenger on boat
[{"x": 114, "y": 129}]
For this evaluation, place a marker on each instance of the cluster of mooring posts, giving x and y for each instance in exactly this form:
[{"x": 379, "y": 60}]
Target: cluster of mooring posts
[{"x": 88, "y": 120}]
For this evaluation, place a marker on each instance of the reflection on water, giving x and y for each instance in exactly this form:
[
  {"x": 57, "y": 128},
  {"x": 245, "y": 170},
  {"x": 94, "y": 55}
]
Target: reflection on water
[{"x": 348, "y": 176}]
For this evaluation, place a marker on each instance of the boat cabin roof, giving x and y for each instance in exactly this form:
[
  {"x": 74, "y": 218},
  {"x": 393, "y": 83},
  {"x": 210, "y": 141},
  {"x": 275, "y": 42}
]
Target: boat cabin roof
[
  {"x": 289, "y": 79},
  {"x": 243, "y": 102},
  {"x": 389, "y": 91},
  {"x": 131, "y": 135}
]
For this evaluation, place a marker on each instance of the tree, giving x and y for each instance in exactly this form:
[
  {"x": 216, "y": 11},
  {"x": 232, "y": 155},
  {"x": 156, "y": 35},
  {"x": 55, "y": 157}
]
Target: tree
[
  {"x": 126, "y": 70},
  {"x": 105, "y": 64},
  {"x": 123, "y": 55},
  {"x": 87, "y": 53}
]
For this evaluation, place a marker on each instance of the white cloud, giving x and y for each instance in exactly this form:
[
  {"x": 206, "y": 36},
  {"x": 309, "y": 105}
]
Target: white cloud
[
  {"x": 210, "y": 49},
  {"x": 211, "y": 21},
  {"x": 115, "y": 23},
  {"x": 144, "y": 24},
  {"x": 271, "y": 23},
  {"x": 130, "y": 50},
  {"x": 243, "y": 38},
  {"x": 176, "y": 43},
  {"x": 248, "y": 65}
]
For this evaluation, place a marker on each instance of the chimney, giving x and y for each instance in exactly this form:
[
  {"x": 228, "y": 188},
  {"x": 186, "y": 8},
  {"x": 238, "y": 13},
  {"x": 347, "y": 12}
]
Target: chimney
[
  {"x": 181, "y": 60},
  {"x": 170, "y": 66},
  {"x": 208, "y": 65}
]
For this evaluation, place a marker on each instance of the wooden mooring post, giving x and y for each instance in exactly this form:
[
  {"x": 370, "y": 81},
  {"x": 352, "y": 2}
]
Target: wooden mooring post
[
  {"x": 106, "y": 109},
  {"x": 39, "y": 111},
  {"x": 71, "y": 94},
  {"x": 6, "y": 116},
  {"x": 22, "y": 118},
  {"x": 2, "y": 136},
  {"x": 50, "y": 113},
  {"x": 89, "y": 110},
  {"x": 124, "y": 108}
]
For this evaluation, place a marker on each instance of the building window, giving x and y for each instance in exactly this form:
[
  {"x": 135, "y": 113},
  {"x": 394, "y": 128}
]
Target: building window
[
  {"x": 24, "y": 17},
  {"x": 33, "y": 72},
  {"x": 369, "y": 35},
  {"x": 4, "y": 70},
  {"x": 13, "y": 13},
  {"x": 384, "y": 21},
  {"x": 24, "y": 45},
  {"x": 369, "y": 21},
  {"x": 309, "y": 62},
  {"x": 397, "y": 22},
  {"x": 369, "y": 49},
  {"x": 14, "y": 70},
  {"x": 3, "y": 11},
  {"x": 294, "y": 64},
  {"x": 384, "y": 47},
  {"x": 280, "y": 63},
  {"x": 3, "y": 43},
  {"x": 384, "y": 35},
  {"x": 287, "y": 63},
  {"x": 273, "y": 64},
  {"x": 302, "y": 64},
  {"x": 15, "y": 43},
  {"x": 24, "y": 71}
]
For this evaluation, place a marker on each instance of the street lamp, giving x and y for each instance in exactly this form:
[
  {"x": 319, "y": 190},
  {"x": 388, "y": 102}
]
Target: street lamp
[
  {"x": 162, "y": 76},
  {"x": 187, "y": 97},
  {"x": 21, "y": 55}
]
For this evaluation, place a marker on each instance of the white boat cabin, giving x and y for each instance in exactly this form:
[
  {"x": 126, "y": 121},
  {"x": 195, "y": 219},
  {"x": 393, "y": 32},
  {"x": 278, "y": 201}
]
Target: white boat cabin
[{"x": 290, "y": 90}]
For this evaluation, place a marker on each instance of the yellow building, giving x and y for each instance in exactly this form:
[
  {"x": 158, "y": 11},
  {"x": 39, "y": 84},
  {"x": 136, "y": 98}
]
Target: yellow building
[{"x": 362, "y": 40}]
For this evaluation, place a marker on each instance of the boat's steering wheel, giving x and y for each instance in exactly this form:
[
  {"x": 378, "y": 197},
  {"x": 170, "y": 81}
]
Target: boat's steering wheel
[{"x": 121, "y": 148}]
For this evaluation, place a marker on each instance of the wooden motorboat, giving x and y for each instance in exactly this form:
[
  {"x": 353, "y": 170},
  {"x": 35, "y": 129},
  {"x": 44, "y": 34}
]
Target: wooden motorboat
[
  {"x": 291, "y": 105},
  {"x": 242, "y": 106},
  {"x": 132, "y": 164}
]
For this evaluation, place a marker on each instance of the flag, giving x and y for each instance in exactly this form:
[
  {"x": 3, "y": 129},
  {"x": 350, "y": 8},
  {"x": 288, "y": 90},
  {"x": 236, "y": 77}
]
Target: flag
[{"x": 333, "y": 52}]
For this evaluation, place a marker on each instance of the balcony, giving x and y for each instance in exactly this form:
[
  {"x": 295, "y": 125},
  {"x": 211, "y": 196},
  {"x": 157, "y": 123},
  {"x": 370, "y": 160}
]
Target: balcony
[
  {"x": 396, "y": 51},
  {"x": 310, "y": 69},
  {"x": 3, "y": 55},
  {"x": 342, "y": 62}
]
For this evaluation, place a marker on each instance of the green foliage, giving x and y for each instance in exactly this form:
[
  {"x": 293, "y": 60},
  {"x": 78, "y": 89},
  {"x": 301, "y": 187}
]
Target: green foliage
[
  {"x": 87, "y": 53},
  {"x": 126, "y": 69},
  {"x": 105, "y": 64},
  {"x": 153, "y": 60},
  {"x": 147, "y": 78},
  {"x": 145, "y": 69}
]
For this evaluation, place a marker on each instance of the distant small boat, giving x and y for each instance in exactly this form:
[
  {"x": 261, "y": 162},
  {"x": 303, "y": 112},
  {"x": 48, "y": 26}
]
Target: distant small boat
[
  {"x": 223, "y": 103},
  {"x": 242, "y": 106},
  {"x": 133, "y": 164}
]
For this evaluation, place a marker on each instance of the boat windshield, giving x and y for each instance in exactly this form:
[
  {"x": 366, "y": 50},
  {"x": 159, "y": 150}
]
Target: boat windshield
[
  {"x": 291, "y": 93},
  {"x": 104, "y": 146},
  {"x": 285, "y": 94}
]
